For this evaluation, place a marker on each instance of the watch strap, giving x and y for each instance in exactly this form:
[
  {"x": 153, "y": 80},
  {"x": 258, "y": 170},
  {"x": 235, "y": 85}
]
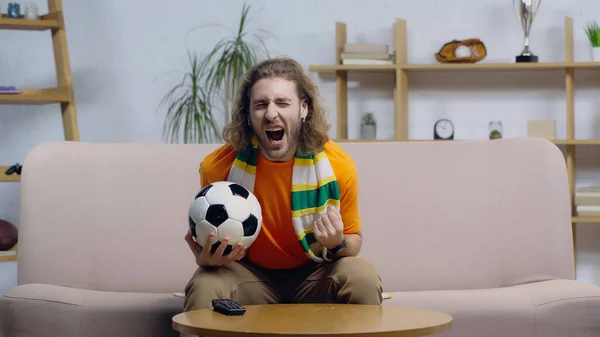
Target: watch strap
[{"x": 339, "y": 247}]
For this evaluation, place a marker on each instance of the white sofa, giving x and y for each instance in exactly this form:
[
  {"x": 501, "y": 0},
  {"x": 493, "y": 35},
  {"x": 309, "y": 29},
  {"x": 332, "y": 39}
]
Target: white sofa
[{"x": 477, "y": 229}]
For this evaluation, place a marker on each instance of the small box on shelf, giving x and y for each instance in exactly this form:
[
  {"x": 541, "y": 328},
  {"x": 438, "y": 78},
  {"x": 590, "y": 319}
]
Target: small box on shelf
[{"x": 543, "y": 128}]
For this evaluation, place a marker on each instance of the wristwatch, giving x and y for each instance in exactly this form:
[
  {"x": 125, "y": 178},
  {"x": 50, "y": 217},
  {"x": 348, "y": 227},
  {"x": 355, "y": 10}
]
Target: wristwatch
[{"x": 335, "y": 250}]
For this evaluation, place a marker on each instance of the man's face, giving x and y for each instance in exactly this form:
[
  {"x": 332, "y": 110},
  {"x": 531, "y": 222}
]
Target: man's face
[{"x": 275, "y": 116}]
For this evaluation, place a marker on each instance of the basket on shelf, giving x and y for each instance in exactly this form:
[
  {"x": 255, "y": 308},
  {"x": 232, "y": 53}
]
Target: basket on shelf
[{"x": 447, "y": 53}]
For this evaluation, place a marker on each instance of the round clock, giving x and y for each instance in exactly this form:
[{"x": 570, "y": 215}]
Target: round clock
[{"x": 443, "y": 129}]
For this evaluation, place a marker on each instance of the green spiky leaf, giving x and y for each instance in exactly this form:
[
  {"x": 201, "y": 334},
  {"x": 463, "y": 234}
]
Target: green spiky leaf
[{"x": 592, "y": 31}]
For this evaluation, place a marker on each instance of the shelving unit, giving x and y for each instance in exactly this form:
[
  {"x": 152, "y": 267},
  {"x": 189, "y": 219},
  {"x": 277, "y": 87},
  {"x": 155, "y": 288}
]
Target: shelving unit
[
  {"x": 62, "y": 94},
  {"x": 45, "y": 22},
  {"x": 401, "y": 70}
]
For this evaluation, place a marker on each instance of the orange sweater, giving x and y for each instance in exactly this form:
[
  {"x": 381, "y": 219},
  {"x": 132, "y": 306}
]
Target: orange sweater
[{"x": 277, "y": 246}]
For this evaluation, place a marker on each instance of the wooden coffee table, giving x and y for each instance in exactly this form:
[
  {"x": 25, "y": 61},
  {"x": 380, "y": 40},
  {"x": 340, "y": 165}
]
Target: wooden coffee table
[{"x": 314, "y": 320}]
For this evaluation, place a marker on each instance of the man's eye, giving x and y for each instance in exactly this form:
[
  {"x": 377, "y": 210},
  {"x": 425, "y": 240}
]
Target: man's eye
[{"x": 283, "y": 104}]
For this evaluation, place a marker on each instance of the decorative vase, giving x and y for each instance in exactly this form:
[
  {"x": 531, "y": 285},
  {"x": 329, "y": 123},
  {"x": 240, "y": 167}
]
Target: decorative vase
[
  {"x": 368, "y": 131},
  {"x": 596, "y": 54}
]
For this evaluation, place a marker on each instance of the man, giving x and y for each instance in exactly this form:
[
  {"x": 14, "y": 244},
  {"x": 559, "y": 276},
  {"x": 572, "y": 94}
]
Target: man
[{"x": 308, "y": 245}]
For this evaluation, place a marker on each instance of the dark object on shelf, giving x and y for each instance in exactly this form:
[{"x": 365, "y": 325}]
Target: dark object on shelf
[
  {"x": 14, "y": 10},
  {"x": 16, "y": 168},
  {"x": 447, "y": 53},
  {"x": 8, "y": 235}
]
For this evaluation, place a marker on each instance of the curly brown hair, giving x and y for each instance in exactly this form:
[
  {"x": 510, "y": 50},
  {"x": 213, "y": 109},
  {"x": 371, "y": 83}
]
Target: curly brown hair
[{"x": 313, "y": 135}]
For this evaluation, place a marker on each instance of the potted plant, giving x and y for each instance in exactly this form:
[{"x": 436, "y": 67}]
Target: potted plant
[
  {"x": 368, "y": 127},
  {"x": 189, "y": 109},
  {"x": 191, "y": 105},
  {"x": 593, "y": 33}
]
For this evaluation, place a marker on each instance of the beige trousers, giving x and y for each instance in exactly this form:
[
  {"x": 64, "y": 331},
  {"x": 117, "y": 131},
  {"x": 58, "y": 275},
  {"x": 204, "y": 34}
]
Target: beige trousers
[{"x": 346, "y": 280}]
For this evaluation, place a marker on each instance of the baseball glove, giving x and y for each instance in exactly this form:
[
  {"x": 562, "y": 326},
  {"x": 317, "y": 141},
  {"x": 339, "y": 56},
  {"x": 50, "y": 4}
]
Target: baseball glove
[{"x": 447, "y": 53}]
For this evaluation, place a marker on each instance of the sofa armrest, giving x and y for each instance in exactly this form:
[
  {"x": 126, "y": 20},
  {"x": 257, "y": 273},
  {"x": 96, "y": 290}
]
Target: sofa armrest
[{"x": 40, "y": 310}]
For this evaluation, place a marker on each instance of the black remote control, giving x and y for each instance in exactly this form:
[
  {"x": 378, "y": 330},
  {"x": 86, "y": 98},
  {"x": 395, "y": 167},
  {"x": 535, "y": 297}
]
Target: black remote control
[{"x": 227, "y": 307}]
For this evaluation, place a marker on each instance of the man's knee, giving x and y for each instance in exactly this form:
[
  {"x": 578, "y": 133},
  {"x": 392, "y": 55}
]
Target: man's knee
[
  {"x": 359, "y": 281},
  {"x": 234, "y": 281},
  {"x": 205, "y": 285}
]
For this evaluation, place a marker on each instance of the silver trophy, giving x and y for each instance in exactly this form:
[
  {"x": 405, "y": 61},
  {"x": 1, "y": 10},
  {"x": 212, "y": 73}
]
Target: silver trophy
[{"x": 526, "y": 12}]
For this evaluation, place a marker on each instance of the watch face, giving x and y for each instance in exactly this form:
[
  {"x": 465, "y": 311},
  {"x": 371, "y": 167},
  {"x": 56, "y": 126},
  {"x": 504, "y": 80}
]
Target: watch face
[{"x": 444, "y": 128}]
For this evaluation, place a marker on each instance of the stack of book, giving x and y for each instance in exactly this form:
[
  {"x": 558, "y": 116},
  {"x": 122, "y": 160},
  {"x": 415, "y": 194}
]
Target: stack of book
[
  {"x": 587, "y": 201},
  {"x": 9, "y": 90},
  {"x": 366, "y": 53}
]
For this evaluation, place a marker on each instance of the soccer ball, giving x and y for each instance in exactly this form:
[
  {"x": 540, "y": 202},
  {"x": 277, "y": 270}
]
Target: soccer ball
[{"x": 227, "y": 209}]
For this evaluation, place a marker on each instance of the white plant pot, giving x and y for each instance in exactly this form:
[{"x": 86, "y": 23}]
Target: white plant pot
[
  {"x": 368, "y": 131},
  {"x": 596, "y": 54}
]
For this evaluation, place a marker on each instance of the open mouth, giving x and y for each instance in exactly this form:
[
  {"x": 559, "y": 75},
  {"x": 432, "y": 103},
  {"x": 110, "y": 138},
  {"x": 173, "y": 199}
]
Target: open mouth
[{"x": 275, "y": 134}]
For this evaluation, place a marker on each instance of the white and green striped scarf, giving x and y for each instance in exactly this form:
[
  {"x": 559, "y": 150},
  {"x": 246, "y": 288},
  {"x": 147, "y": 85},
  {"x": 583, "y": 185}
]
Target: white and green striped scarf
[{"x": 314, "y": 187}]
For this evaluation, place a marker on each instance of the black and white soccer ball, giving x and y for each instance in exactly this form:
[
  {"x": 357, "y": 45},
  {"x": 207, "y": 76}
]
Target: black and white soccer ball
[{"x": 227, "y": 209}]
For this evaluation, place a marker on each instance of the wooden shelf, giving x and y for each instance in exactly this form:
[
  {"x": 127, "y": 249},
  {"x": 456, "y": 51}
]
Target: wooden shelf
[
  {"x": 458, "y": 67},
  {"x": 577, "y": 142},
  {"x": 10, "y": 258},
  {"x": 45, "y": 23},
  {"x": 502, "y": 66},
  {"x": 62, "y": 94},
  {"x": 38, "y": 96},
  {"x": 7, "y": 178},
  {"x": 584, "y": 219}
]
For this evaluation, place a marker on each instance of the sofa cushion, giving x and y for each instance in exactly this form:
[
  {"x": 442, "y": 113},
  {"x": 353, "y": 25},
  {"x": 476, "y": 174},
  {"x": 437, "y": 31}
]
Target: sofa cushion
[
  {"x": 547, "y": 308},
  {"x": 46, "y": 310}
]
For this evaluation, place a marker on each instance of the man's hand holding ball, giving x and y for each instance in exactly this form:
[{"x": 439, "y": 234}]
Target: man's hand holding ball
[{"x": 206, "y": 258}]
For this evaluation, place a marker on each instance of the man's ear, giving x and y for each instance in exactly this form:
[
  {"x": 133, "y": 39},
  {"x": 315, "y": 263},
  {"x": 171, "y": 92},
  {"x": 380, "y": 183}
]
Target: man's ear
[{"x": 303, "y": 109}]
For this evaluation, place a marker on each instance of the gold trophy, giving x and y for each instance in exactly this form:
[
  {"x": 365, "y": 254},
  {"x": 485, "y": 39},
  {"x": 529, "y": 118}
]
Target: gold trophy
[{"x": 526, "y": 11}]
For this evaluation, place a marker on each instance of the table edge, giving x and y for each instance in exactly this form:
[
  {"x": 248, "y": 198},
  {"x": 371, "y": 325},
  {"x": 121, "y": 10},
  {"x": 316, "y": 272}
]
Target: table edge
[{"x": 425, "y": 331}]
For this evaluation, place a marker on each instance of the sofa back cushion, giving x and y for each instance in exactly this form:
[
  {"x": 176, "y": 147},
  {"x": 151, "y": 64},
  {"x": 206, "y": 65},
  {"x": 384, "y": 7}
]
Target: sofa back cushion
[
  {"x": 451, "y": 215},
  {"x": 108, "y": 216},
  {"x": 465, "y": 214}
]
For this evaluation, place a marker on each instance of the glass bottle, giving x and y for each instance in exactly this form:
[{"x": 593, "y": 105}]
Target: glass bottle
[
  {"x": 495, "y": 129},
  {"x": 31, "y": 11}
]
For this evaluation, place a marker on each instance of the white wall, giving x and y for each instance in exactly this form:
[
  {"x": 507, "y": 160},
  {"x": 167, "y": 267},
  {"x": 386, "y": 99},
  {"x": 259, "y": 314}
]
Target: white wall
[{"x": 123, "y": 52}]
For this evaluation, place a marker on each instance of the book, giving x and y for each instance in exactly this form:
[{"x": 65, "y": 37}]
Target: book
[
  {"x": 368, "y": 56},
  {"x": 367, "y": 61},
  {"x": 366, "y": 48}
]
